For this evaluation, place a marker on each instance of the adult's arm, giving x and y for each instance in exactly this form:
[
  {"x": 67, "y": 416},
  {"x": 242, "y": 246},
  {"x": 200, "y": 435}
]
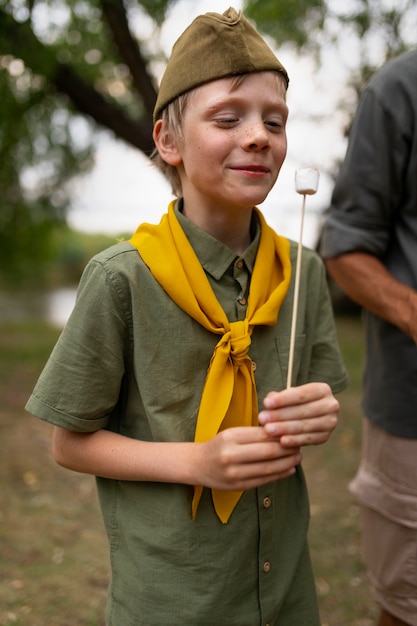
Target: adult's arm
[{"x": 366, "y": 280}]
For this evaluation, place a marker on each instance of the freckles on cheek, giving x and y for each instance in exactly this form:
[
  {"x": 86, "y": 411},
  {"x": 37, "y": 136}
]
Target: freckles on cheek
[{"x": 198, "y": 148}]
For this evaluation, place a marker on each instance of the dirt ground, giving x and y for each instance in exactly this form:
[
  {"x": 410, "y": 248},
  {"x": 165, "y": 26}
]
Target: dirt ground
[{"x": 53, "y": 551}]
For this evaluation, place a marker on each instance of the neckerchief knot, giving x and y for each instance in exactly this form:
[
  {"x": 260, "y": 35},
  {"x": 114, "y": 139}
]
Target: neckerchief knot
[{"x": 240, "y": 341}]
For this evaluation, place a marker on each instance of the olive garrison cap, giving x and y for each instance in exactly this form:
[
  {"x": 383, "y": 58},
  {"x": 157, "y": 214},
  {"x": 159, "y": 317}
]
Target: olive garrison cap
[{"x": 212, "y": 47}]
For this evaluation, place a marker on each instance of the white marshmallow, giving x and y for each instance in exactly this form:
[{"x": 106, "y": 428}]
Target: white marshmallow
[{"x": 307, "y": 180}]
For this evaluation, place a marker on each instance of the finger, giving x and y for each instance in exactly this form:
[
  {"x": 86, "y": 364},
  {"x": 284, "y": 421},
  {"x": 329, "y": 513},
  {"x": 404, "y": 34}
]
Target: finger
[
  {"x": 309, "y": 439},
  {"x": 252, "y": 452},
  {"x": 314, "y": 409},
  {"x": 303, "y": 426},
  {"x": 253, "y": 475},
  {"x": 299, "y": 412},
  {"x": 296, "y": 395},
  {"x": 244, "y": 436}
]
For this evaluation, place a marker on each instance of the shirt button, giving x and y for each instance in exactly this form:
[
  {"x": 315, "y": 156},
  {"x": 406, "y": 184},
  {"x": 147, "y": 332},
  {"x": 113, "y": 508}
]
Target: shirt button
[
  {"x": 267, "y": 567},
  {"x": 242, "y": 301},
  {"x": 253, "y": 365},
  {"x": 239, "y": 264},
  {"x": 267, "y": 502}
]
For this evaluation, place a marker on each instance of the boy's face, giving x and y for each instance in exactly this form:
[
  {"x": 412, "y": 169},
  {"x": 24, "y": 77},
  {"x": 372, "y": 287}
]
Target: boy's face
[{"x": 234, "y": 142}]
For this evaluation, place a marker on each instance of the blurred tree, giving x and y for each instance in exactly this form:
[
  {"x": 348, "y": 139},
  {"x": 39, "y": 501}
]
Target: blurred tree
[
  {"x": 67, "y": 70},
  {"x": 72, "y": 68},
  {"x": 367, "y": 32}
]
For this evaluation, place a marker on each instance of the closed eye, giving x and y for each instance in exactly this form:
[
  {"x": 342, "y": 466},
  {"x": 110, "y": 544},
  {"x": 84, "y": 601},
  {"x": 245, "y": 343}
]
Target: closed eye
[
  {"x": 226, "y": 121},
  {"x": 275, "y": 124}
]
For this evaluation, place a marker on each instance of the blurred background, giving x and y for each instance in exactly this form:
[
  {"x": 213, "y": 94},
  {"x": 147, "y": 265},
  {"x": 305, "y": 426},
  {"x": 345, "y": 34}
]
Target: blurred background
[{"x": 78, "y": 82}]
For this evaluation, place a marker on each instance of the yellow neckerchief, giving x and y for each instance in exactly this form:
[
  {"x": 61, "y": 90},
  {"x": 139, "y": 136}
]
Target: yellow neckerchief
[{"x": 229, "y": 395}]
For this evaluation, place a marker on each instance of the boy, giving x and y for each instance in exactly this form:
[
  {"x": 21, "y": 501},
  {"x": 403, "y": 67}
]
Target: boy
[{"x": 151, "y": 386}]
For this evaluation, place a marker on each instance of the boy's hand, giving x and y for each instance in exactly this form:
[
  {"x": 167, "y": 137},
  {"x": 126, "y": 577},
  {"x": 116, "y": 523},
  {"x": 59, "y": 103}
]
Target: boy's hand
[
  {"x": 243, "y": 458},
  {"x": 300, "y": 416}
]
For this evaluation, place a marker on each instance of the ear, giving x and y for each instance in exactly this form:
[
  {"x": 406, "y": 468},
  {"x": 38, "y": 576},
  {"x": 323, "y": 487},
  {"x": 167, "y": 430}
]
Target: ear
[{"x": 166, "y": 144}]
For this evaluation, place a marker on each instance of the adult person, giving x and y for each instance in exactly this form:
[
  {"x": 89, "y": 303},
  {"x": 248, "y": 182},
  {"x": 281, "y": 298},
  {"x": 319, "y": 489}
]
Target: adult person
[{"x": 370, "y": 246}]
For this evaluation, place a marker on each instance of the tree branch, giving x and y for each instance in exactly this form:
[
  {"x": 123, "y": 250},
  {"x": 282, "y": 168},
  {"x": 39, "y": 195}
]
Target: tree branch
[
  {"x": 89, "y": 101},
  {"x": 18, "y": 39},
  {"x": 114, "y": 13}
]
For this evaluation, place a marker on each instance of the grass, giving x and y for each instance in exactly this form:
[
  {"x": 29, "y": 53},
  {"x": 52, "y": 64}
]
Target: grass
[
  {"x": 342, "y": 583},
  {"x": 53, "y": 552}
]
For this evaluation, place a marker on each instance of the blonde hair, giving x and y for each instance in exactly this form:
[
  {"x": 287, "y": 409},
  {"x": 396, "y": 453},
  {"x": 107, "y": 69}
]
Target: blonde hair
[{"x": 172, "y": 117}]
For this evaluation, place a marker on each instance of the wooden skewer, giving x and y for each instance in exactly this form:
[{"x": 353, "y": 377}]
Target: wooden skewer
[
  {"x": 296, "y": 295},
  {"x": 306, "y": 182}
]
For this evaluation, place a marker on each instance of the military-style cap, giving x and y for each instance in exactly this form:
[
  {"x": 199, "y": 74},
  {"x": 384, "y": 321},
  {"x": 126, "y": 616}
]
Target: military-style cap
[{"x": 214, "y": 46}]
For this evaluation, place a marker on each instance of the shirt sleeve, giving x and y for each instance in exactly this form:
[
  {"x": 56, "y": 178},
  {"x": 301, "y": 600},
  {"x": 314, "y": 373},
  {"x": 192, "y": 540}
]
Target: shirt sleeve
[
  {"x": 368, "y": 190},
  {"x": 80, "y": 384}
]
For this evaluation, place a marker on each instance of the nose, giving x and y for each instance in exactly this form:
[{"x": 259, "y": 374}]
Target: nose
[{"x": 256, "y": 137}]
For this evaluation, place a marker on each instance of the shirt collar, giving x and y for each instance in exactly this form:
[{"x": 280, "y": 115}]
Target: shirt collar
[{"x": 215, "y": 257}]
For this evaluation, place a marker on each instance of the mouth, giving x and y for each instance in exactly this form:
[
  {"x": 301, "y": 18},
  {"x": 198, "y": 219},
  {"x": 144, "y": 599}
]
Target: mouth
[{"x": 256, "y": 169}]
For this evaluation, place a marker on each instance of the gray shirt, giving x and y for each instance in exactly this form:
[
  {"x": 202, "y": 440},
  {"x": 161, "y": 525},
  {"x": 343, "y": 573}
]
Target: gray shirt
[{"x": 374, "y": 210}]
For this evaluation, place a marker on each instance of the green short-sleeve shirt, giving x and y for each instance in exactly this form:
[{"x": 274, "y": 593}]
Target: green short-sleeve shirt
[{"x": 131, "y": 361}]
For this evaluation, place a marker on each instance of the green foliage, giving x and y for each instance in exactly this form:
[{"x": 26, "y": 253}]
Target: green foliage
[
  {"x": 388, "y": 27},
  {"x": 39, "y": 155},
  {"x": 72, "y": 251},
  {"x": 25, "y": 247},
  {"x": 157, "y": 9},
  {"x": 289, "y": 20},
  {"x": 70, "y": 68},
  {"x": 375, "y": 31}
]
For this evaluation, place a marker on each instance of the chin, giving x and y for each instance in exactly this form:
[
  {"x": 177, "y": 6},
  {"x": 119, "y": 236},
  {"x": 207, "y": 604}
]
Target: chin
[{"x": 254, "y": 200}]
